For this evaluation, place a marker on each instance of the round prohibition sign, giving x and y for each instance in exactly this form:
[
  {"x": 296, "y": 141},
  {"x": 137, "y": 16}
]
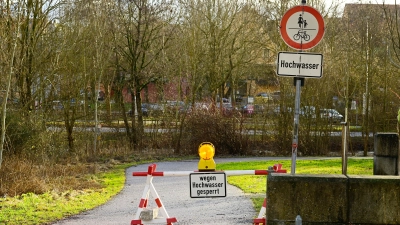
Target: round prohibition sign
[{"x": 302, "y": 27}]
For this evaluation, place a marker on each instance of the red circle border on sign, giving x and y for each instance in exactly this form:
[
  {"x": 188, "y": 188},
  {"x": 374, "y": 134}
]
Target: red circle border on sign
[{"x": 313, "y": 42}]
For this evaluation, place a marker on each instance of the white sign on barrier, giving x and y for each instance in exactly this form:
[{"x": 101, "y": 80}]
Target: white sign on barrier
[{"x": 207, "y": 185}]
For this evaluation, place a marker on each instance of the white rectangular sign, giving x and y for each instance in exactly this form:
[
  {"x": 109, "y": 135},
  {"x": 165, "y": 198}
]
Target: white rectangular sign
[
  {"x": 207, "y": 185},
  {"x": 299, "y": 64}
]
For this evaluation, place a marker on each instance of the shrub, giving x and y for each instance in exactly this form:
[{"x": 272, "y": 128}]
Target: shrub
[
  {"x": 217, "y": 129},
  {"x": 19, "y": 130}
]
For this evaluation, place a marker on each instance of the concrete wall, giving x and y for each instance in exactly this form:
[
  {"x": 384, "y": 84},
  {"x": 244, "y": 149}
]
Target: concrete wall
[{"x": 333, "y": 199}]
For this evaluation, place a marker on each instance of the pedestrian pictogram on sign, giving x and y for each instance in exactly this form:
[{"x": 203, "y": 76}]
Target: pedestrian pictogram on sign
[{"x": 302, "y": 27}]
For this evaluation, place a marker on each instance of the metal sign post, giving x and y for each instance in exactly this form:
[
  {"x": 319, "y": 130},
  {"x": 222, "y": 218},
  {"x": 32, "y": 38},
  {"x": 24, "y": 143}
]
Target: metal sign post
[
  {"x": 302, "y": 28},
  {"x": 295, "y": 142}
]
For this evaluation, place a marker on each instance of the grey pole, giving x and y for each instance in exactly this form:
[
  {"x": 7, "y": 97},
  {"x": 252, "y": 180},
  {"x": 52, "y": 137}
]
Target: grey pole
[
  {"x": 295, "y": 141},
  {"x": 298, "y": 220},
  {"x": 296, "y": 124}
]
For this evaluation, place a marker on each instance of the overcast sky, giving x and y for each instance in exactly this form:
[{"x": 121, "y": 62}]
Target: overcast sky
[
  {"x": 373, "y": 1},
  {"x": 343, "y": 2},
  {"x": 389, "y": 2}
]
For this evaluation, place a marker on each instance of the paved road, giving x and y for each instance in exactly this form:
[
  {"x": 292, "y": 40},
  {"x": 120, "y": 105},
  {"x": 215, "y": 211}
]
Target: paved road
[
  {"x": 149, "y": 130},
  {"x": 235, "y": 208}
]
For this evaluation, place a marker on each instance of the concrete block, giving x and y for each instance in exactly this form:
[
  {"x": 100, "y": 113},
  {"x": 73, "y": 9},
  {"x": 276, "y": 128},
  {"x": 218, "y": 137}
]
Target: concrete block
[
  {"x": 374, "y": 199},
  {"x": 316, "y": 198},
  {"x": 333, "y": 199},
  {"x": 385, "y": 165},
  {"x": 148, "y": 214},
  {"x": 386, "y": 154},
  {"x": 386, "y": 144}
]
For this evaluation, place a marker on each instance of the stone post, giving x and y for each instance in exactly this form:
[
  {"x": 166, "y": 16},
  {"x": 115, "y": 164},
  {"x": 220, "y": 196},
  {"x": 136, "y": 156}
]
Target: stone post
[{"x": 386, "y": 154}]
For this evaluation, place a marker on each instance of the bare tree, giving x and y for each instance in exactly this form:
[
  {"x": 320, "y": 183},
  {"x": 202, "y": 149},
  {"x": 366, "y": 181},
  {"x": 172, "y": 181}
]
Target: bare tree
[
  {"x": 82, "y": 62},
  {"x": 12, "y": 18},
  {"x": 27, "y": 26},
  {"x": 145, "y": 30},
  {"x": 368, "y": 37},
  {"x": 36, "y": 21},
  {"x": 223, "y": 39}
]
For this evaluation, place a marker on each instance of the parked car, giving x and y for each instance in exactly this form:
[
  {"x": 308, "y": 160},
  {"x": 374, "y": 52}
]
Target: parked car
[
  {"x": 57, "y": 105},
  {"x": 278, "y": 110},
  {"x": 253, "y": 109},
  {"x": 332, "y": 115},
  {"x": 227, "y": 108},
  {"x": 276, "y": 95},
  {"x": 201, "y": 106},
  {"x": 176, "y": 106},
  {"x": 308, "y": 112},
  {"x": 305, "y": 111},
  {"x": 247, "y": 109},
  {"x": 263, "y": 97},
  {"x": 145, "y": 111},
  {"x": 259, "y": 109},
  {"x": 153, "y": 109},
  {"x": 238, "y": 98}
]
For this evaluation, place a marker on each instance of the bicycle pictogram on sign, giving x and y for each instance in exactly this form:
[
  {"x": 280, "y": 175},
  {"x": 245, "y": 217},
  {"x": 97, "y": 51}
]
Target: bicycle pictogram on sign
[{"x": 301, "y": 34}]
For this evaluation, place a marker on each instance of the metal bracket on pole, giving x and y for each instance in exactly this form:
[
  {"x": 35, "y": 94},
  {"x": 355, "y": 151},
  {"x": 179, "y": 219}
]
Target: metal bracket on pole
[{"x": 298, "y": 78}]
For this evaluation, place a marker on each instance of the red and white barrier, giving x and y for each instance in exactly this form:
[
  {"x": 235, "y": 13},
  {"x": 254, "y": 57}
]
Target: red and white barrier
[
  {"x": 227, "y": 172},
  {"x": 149, "y": 188},
  {"x": 277, "y": 168},
  {"x": 261, "y": 216}
]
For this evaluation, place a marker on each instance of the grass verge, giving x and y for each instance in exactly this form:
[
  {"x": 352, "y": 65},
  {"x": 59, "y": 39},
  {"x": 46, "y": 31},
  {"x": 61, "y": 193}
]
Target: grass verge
[
  {"x": 258, "y": 184},
  {"x": 40, "y": 209}
]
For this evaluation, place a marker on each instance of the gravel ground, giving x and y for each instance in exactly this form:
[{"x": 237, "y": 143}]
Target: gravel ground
[{"x": 174, "y": 192}]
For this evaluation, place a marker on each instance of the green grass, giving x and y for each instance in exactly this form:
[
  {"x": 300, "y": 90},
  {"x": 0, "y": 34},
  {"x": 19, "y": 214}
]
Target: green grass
[
  {"x": 39, "y": 209},
  {"x": 257, "y": 184}
]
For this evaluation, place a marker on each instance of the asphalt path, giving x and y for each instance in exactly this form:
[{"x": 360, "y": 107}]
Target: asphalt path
[{"x": 174, "y": 192}]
